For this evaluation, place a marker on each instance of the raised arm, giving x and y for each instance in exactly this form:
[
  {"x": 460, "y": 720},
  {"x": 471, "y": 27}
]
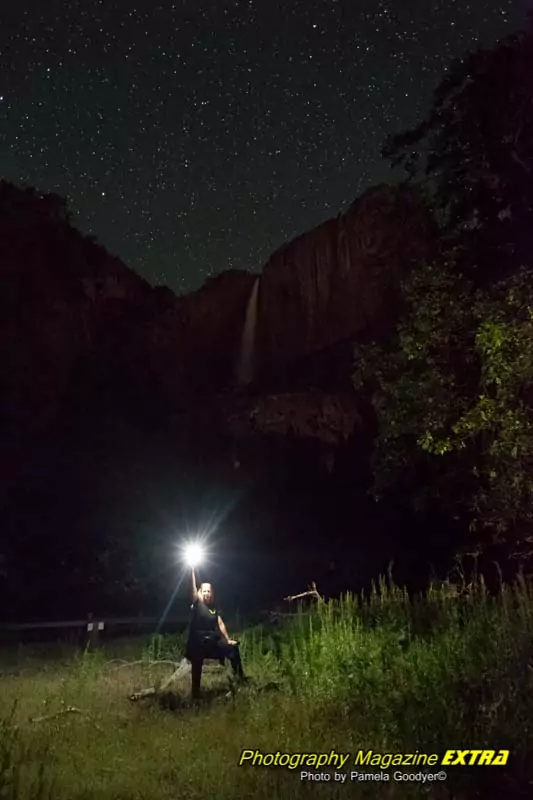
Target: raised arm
[{"x": 194, "y": 587}]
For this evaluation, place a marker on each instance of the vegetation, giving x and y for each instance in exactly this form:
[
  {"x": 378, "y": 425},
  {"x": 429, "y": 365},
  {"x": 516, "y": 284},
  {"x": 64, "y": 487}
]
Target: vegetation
[
  {"x": 452, "y": 395},
  {"x": 384, "y": 673},
  {"x": 451, "y": 390}
]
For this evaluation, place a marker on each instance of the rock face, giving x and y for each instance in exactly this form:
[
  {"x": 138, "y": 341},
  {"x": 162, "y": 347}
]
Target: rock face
[
  {"x": 109, "y": 386},
  {"x": 55, "y": 287},
  {"x": 340, "y": 279},
  {"x": 211, "y": 322},
  {"x": 76, "y": 325},
  {"x": 328, "y": 418},
  {"x": 158, "y": 357}
]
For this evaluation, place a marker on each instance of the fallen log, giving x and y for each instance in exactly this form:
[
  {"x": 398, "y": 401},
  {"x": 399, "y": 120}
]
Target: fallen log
[{"x": 183, "y": 670}]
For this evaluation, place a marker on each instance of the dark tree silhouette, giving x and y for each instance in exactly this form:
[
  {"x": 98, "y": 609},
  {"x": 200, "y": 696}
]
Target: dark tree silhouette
[{"x": 476, "y": 147}]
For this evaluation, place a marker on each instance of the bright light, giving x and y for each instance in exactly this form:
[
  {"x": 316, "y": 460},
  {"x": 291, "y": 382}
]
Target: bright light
[{"x": 193, "y": 554}]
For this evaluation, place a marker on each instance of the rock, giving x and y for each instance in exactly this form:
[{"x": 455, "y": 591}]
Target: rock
[
  {"x": 56, "y": 286},
  {"x": 341, "y": 278},
  {"x": 114, "y": 391},
  {"x": 79, "y": 328},
  {"x": 330, "y": 418},
  {"x": 210, "y": 324}
]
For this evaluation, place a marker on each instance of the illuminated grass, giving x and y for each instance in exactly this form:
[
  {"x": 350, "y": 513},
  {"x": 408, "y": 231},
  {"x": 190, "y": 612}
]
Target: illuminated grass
[{"x": 385, "y": 674}]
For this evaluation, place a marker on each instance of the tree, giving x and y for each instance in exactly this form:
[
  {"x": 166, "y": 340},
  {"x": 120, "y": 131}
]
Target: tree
[
  {"x": 453, "y": 397},
  {"x": 452, "y": 390},
  {"x": 477, "y": 149}
]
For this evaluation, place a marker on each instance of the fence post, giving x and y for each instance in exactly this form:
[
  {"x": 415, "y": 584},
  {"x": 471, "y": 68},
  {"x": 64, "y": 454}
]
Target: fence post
[{"x": 93, "y": 629}]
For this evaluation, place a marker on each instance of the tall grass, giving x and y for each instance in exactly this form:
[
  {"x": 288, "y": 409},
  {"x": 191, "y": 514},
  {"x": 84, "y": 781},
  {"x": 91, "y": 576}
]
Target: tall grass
[
  {"x": 385, "y": 672},
  {"x": 22, "y": 768}
]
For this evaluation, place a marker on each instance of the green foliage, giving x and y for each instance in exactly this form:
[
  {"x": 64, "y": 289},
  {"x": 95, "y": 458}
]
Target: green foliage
[
  {"x": 162, "y": 647},
  {"x": 88, "y": 662},
  {"x": 23, "y": 773},
  {"x": 452, "y": 395},
  {"x": 396, "y": 671},
  {"x": 383, "y": 672},
  {"x": 452, "y": 392}
]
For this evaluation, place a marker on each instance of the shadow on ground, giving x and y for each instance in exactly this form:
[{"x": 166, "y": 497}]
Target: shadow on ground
[{"x": 182, "y": 701}]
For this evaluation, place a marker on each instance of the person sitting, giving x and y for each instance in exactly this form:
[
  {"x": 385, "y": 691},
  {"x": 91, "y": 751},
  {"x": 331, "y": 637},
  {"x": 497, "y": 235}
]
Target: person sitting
[{"x": 208, "y": 636}]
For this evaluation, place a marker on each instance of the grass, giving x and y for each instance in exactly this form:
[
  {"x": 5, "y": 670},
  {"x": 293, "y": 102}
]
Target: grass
[{"x": 383, "y": 673}]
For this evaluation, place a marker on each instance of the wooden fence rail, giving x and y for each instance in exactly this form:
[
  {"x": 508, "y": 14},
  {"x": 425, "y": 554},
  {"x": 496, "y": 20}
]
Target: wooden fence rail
[
  {"x": 82, "y": 623},
  {"x": 92, "y": 625}
]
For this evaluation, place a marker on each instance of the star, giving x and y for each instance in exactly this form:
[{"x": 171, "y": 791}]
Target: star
[{"x": 224, "y": 133}]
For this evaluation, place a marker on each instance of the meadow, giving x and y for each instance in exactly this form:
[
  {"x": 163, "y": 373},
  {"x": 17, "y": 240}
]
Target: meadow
[{"x": 386, "y": 673}]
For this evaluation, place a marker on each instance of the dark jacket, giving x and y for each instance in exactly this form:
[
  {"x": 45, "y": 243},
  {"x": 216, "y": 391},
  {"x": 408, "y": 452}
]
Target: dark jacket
[{"x": 204, "y": 634}]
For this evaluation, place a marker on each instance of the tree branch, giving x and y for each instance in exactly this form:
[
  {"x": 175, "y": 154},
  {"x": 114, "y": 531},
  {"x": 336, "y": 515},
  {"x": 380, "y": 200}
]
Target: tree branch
[
  {"x": 312, "y": 592},
  {"x": 67, "y": 710},
  {"x": 516, "y": 158}
]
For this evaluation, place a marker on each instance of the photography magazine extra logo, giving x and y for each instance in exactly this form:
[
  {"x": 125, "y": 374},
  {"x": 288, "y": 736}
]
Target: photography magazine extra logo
[{"x": 374, "y": 760}]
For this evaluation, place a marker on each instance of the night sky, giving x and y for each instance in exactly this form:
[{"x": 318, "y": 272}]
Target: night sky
[{"x": 200, "y": 135}]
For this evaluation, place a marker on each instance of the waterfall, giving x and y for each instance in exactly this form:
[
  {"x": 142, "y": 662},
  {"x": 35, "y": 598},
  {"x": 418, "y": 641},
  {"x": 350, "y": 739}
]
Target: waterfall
[{"x": 245, "y": 368}]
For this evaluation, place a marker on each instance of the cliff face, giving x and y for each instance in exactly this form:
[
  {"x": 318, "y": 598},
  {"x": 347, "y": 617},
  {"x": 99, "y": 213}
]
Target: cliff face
[
  {"x": 56, "y": 286},
  {"x": 157, "y": 357},
  {"x": 341, "y": 278},
  {"x": 78, "y": 327},
  {"x": 211, "y": 321},
  {"x": 80, "y": 331},
  {"x": 112, "y": 389}
]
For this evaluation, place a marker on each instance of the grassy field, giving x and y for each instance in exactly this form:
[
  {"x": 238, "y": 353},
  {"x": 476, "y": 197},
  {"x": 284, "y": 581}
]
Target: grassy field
[{"x": 385, "y": 674}]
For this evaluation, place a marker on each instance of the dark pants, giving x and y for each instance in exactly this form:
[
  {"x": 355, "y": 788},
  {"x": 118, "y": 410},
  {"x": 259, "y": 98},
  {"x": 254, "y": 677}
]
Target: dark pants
[{"x": 216, "y": 649}]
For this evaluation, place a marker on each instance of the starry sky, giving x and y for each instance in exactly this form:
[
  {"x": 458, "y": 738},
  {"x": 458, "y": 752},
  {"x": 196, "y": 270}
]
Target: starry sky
[{"x": 196, "y": 136}]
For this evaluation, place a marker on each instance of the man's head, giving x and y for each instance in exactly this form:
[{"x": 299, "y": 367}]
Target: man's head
[{"x": 206, "y": 593}]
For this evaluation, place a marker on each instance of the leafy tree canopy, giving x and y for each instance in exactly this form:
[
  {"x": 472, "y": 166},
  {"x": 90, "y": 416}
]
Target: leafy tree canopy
[
  {"x": 453, "y": 397},
  {"x": 453, "y": 389}
]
